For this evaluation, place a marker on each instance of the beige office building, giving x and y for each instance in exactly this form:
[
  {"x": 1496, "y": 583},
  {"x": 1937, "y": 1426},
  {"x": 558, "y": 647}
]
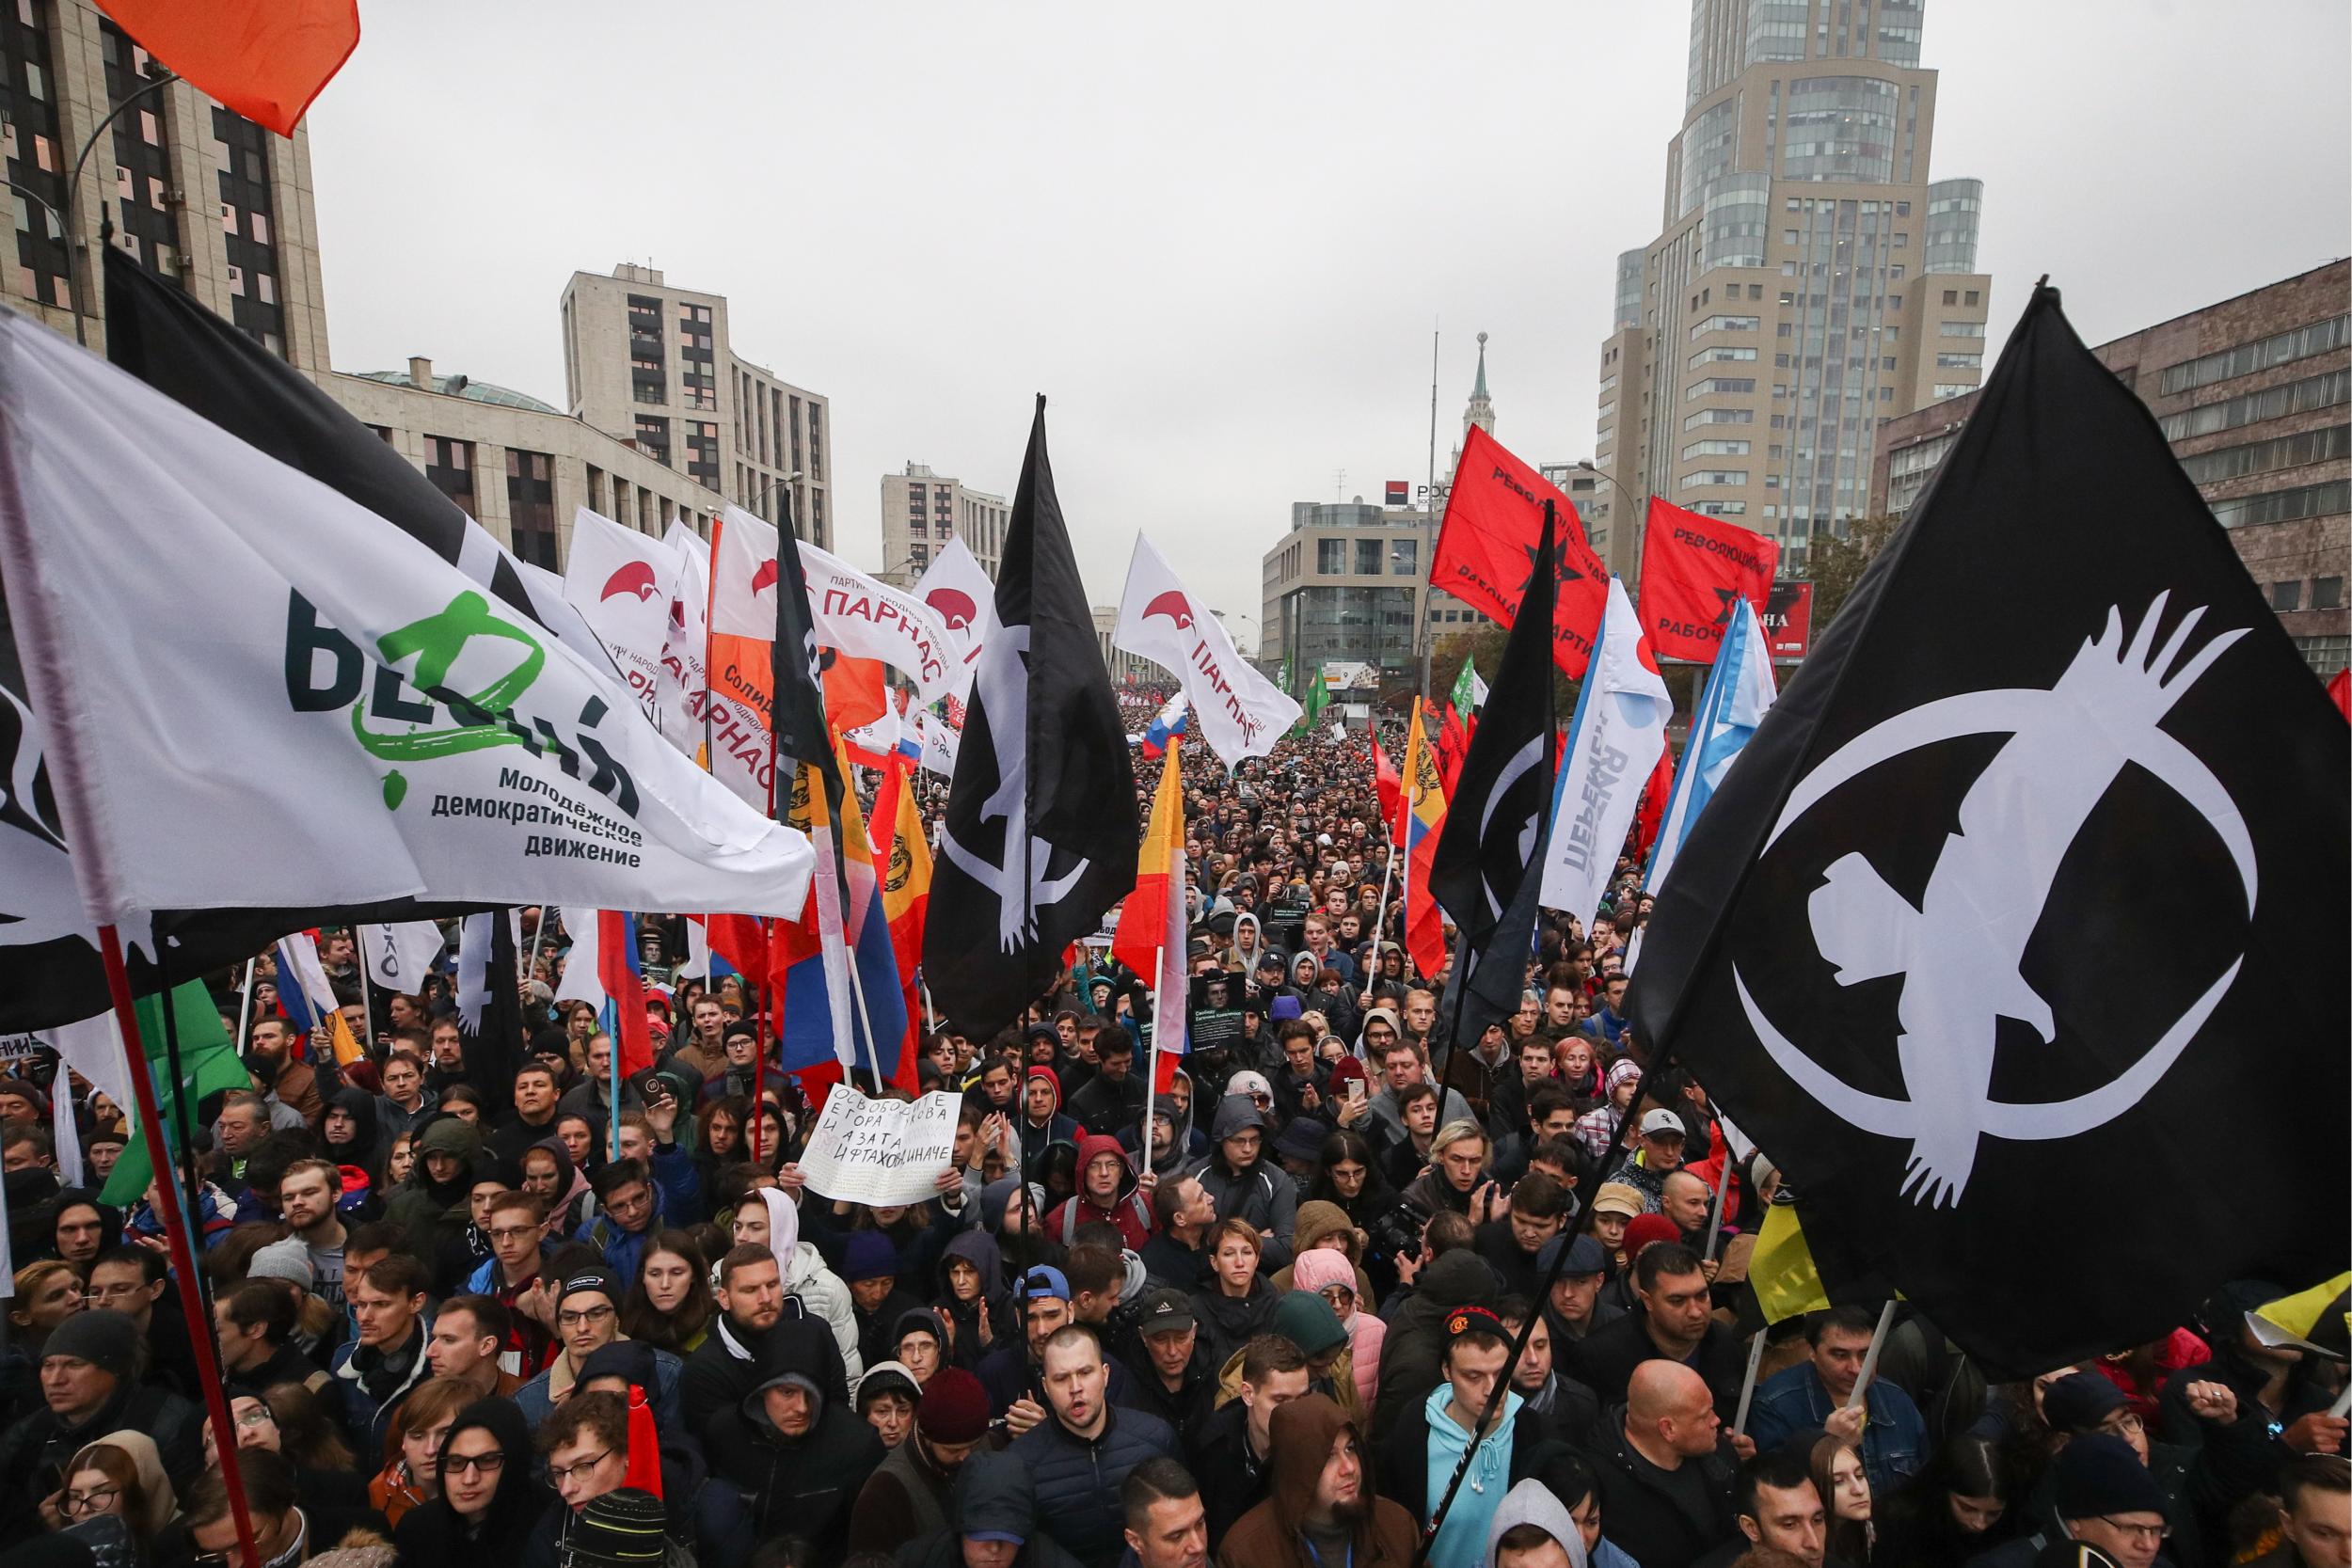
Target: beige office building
[
  {"x": 199, "y": 195},
  {"x": 921, "y": 511},
  {"x": 1809, "y": 283},
  {"x": 653, "y": 365}
]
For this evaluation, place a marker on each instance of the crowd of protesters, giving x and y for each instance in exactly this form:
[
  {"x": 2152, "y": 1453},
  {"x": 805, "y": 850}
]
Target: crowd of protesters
[{"x": 1256, "y": 1326}]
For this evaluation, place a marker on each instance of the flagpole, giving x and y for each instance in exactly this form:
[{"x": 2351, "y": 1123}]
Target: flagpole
[
  {"x": 367, "y": 994},
  {"x": 1723, "y": 1184},
  {"x": 1747, "y": 1384},
  {"x": 531, "y": 967},
  {"x": 1388, "y": 871},
  {"x": 857, "y": 981},
  {"x": 1870, "y": 1361},
  {"x": 179, "y": 1236},
  {"x": 245, "y": 1006},
  {"x": 1151, "y": 1058}
]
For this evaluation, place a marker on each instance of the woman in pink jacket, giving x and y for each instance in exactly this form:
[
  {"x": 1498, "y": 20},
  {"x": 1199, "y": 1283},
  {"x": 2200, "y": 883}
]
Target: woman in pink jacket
[{"x": 1327, "y": 1272}]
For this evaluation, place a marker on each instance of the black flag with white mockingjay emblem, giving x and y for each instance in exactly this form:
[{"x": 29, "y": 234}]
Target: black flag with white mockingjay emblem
[
  {"x": 1041, "y": 826},
  {"x": 490, "y": 1024},
  {"x": 2029, "y": 894},
  {"x": 1489, "y": 859}
]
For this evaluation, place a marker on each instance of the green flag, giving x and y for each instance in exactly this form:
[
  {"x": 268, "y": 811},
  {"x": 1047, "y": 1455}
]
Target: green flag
[
  {"x": 1469, "y": 692},
  {"x": 1318, "y": 698},
  {"x": 1290, "y": 673},
  {"x": 208, "y": 1064}
]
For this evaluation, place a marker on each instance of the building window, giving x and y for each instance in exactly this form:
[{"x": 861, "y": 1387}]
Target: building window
[
  {"x": 702, "y": 453},
  {"x": 2256, "y": 457},
  {"x": 2285, "y": 506},
  {"x": 653, "y": 437},
  {"x": 1405, "y": 558},
  {"x": 449, "y": 463},
  {"x": 2327, "y": 593},
  {"x": 1330, "y": 558},
  {"x": 530, "y": 506},
  {"x": 2286, "y": 597},
  {"x": 1368, "y": 557},
  {"x": 2299, "y": 344}
]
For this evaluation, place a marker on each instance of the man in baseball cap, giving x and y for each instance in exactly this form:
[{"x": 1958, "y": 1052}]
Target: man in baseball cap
[
  {"x": 1168, "y": 1372},
  {"x": 1573, "y": 1309},
  {"x": 1659, "y": 1157}
]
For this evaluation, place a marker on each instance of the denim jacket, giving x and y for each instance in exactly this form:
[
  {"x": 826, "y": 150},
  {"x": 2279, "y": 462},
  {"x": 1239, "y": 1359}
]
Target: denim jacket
[{"x": 1894, "y": 1442}]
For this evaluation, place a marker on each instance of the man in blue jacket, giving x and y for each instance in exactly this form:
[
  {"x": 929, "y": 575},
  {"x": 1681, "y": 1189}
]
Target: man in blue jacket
[
  {"x": 1813, "y": 1393},
  {"x": 1079, "y": 1456}
]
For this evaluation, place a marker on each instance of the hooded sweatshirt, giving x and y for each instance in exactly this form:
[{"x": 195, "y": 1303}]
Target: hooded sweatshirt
[
  {"x": 1128, "y": 1208},
  {"x": 1261, "y": 1192},
  {"x": 366, "y": 1149},
  {"x": 1530, "y": 1502},
  {"x": 804, "y": 1483},
  {"x": 1460, "y": 1544},
  {"x": 1268, "y": 1536},
  {"x": 1321, "y": 1267},
  {"x": 978, "y": 1248},
  {"x": 430, "y": 1211},
  {"x": 433, "y": 1533},
  {"x": 817, "y": 1288}
]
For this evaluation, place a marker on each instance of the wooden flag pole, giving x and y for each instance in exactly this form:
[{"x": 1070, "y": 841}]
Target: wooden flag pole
[
  {"x": 1870, "y": 1361},
  {"x": 179, "y": 1233}
]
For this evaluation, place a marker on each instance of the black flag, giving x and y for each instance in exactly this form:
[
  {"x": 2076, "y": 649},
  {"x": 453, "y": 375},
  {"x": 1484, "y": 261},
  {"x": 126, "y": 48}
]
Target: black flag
[
  {"x": 2031, "y": 889},
  {"x": 1041, "y": 829},
  {"x": 1489, "y": 859},
  {"x": 491, "y": 1022},
  {"x": 796, "y": 671}
]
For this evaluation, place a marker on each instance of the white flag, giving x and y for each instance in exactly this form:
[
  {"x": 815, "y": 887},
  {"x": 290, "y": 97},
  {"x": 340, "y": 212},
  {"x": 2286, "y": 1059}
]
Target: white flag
[
  {"x": 869, "y": 619},
  {"x": 1240, "y": 712},
  {"x": 955, "y": 588},
  {"x": 679, "y": 690},
  {"x": 940, "y": 742},
  {"x": 398, "y": 957},
  {"x": 218, "y": 640},
  {"x": 742, "y": 627},
  {"x": 1613, "y": 743},
  {"x": 621, "y": 583}
]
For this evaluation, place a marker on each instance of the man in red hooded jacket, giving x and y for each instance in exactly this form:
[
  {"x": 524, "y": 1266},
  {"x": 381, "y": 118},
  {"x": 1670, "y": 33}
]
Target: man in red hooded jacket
[{"x": 1107, "y": 1189}]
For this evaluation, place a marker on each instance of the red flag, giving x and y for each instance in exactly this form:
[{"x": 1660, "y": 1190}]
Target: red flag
[
  {"x": 265, "y": 59},
  {"x": 644, "y": 1446},
  {"x": 1695, "y": 571},
  {"x": 1486, "y": 547},
  {"x": 1451, "y": 746},
  {"x": 1652, "y": 809},
  {"x": 1385, "y": 781},
  {"x": 1424, "y": 824},
  {"x": 2340, "y": 692},
  {"x": 856, "y": 694},
  {"x": 740, "y": 940}
]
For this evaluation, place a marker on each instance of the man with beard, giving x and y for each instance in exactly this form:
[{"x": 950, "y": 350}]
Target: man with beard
[
  {"x": 799, "y": 1456},
  {"x": 907, "y": 1497},
  {"x": 1320, "y": 1510}
]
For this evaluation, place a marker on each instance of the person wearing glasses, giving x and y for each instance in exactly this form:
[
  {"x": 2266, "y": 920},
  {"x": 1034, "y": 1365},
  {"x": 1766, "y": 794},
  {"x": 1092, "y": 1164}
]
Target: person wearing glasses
[
  {"x": 90, "y": 1385},
  {"x": 587, "y": 1319},
  {"x": 489, "y": 1503},
  {"x": 131, "y": 1280},
  {"x": 2230, "y": 1460},
  {"x": 116, "y": 1485},
  {"x": 2105, "y": 1498},
  {"x": 585, "y": 1444}
]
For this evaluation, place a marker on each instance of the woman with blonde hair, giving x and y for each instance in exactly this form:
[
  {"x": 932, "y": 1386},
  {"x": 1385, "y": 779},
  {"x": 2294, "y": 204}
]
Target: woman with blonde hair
[{"x": 47, "y": 1294}]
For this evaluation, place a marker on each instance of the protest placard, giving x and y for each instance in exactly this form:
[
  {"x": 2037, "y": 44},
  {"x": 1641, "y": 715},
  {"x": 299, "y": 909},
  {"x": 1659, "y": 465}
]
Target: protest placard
[{"x": 880, "y": 1150}]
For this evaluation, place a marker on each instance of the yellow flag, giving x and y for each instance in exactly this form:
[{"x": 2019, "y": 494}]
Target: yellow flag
[{"x": 1781, "y": 1269}]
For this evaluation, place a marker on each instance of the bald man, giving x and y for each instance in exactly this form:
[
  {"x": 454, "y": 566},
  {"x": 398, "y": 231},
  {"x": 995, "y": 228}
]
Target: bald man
[
  {"x": 1686, "y": 1200},
  {"x": 1665, "y": 1468}
]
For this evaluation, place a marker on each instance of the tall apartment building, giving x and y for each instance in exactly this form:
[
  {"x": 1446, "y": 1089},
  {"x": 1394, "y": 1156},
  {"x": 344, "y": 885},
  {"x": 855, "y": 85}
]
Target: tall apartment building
[
  {"x": 921, "y": 511},
  {"x": 201, "y": 196},
  {"x": 1809, "y": 282},
  {"x": 2253, "y": 394},
  {"x": 653, "y": 366}
]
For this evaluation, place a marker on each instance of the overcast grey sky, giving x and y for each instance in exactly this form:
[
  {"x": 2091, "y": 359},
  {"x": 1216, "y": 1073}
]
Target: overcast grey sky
[{"x": 1217, "y": 237}]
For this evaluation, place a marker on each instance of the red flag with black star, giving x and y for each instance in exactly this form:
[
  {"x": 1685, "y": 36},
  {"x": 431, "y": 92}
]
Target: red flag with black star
[{"x": 1695, "y": 572}]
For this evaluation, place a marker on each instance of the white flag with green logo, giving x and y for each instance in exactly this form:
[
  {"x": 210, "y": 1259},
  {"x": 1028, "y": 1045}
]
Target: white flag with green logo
[{"x": 260, "y": 694}]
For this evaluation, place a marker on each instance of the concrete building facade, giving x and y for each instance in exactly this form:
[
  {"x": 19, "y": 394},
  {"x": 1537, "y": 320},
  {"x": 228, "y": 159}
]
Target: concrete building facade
[
  {"x": 1809, "y": 282},
  {"x": 2255, "y": 395},
  {"x": 199, "y": 196},
  {"x": 653, "y": 365},
  {"x": 921, "y": 511}
]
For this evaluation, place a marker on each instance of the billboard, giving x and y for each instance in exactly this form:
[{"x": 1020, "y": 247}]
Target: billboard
[{"x": 1789, "y": 621}]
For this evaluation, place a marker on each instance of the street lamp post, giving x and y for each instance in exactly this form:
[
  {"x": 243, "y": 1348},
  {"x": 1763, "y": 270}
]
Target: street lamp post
[
  {"x": 79, "y": 286},
  {"x": 1633, "y": 511}
]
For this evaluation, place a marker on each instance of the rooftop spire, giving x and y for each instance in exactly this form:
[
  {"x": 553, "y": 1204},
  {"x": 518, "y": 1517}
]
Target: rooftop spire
[{"x": 1480, "y": 411}]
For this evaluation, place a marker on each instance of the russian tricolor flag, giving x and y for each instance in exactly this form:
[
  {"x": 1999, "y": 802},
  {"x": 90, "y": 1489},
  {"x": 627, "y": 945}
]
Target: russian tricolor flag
[
  {"x": 303, "y": 992},
  {"x": 604, "y": 971},
  {"x": 1174, "y": 718}
]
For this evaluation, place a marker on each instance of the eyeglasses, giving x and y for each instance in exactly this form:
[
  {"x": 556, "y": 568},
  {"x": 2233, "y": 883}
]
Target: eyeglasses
[
  {"x": 2123, "y": 1423},
  {"x": 96, "y": 1500},
  {"x": 581, "y": 1317},
  {"x": 581, "y": 1471},
  {"x": 112, "y": 1292},
  {"x": 2136, "y": 1532},
  {"x": 486, "y": 1464},
  {"x": 262, "y": 1416},
  {"x": 515, "y": 1232}
]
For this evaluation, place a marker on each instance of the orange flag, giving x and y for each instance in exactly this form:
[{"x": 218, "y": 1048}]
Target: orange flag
[{"x": 266, "y": 59}]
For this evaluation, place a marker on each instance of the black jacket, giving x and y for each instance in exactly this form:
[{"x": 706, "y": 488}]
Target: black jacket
[
  {"x": 1188, "y": 1407},
  {"x": 1404, "y": 1457},
  {"x": 36, "y": 1448},
  {"x": 1233, "y": 1477},
  {"x": 1644, "y": 1520},
  {"x": 804, "y": 1484},
  {"x": 714, "y": 1379},
  {"x": 1604, "y": 1360},
  {"x": 1414, "y": 1349},
  {"x": 1169, "y": 1262},
  {"x": 1077, "y": 1480}
]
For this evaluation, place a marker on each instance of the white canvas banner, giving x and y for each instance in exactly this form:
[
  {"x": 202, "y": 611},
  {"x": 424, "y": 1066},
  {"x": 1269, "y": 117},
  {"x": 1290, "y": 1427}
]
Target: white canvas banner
[
  {"x": 1613, "y": 746},
  {"x": 621, "y": 582},
  {"x": 1238, "y": 711},
  {"x": 887, "y": 1152},
  {"x": 398, "y": 956},
  {"x": 869, "y": 619},
  {"x": 216, "y": 638}
]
